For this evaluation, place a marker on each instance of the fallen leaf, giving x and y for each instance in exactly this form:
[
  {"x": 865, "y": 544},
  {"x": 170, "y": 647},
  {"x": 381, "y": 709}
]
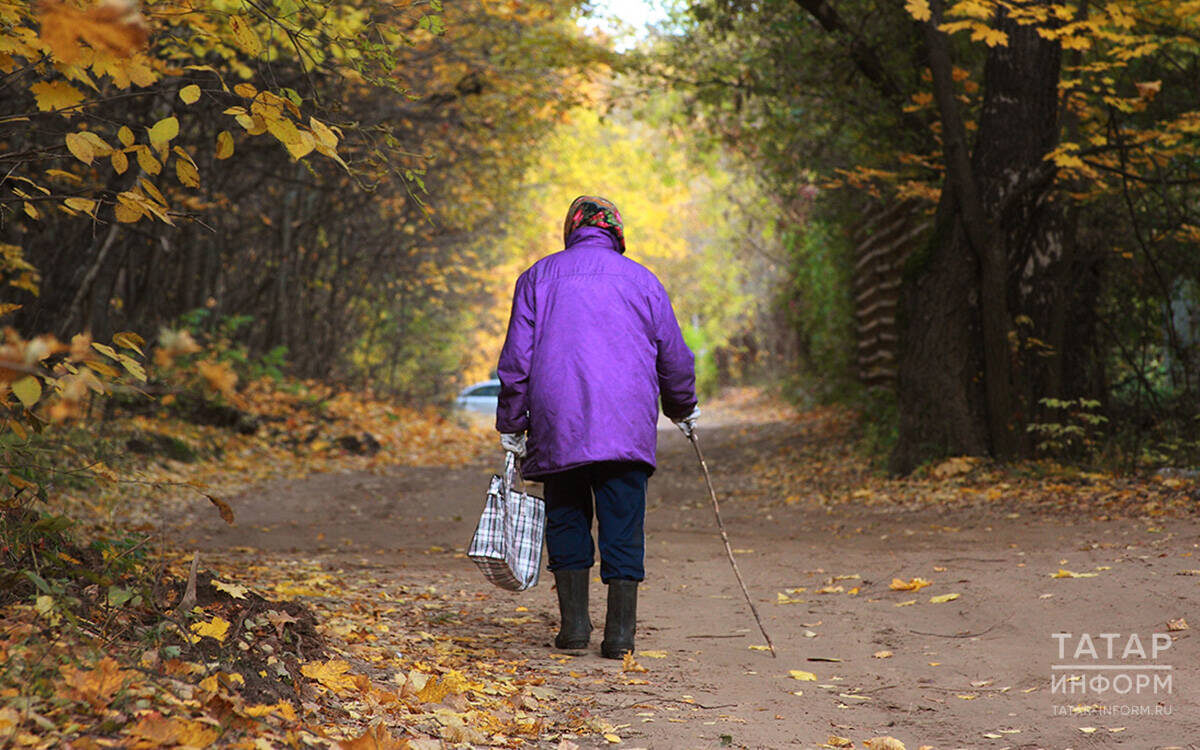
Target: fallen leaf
[
  {"x": 331, "y": 674},
  {"x": 913, "y": 584},
  {"x": 908, "y": 603},
  {"x": 216, "y": 628},
  {"x": 98, "y": 685},
  {"x": 279, "y": 619},
  {"x": 629, "y": 664},
  {"x": 235, "y": 590},
  {"x": 376, "y": 738},
  {"x": 952, "y": 467},
  {"x": 653, "y": 654},
  {"x": 884, "y": 743},
  {"x": 156, "y": 730},
  {"x": 1064, "y": 573},
  {"x": 1177, "y": 624},
  {"x": 943, "y": 598},
  {"x": 835, "y": 741},
  {"x": 882, "y": 655},
  {"x": 800, "y": 674}
]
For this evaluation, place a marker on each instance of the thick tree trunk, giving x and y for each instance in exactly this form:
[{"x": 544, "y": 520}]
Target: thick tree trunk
[
  {"x": 941, "y": 394},
  {"x": 965, "y": 382}
]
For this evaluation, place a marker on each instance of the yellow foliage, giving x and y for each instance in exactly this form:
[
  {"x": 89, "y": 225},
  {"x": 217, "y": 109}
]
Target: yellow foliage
[
  {"x": 331, "y": 674},
  {"x": 216, "y": 628},
  {"x": 918, "y": 9},
  {"x": 113, "y": 26}
]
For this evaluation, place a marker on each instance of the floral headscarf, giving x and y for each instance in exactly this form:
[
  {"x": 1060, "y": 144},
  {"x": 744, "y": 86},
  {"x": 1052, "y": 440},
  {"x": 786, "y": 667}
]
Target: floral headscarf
[{"x": 593, "y": 211}]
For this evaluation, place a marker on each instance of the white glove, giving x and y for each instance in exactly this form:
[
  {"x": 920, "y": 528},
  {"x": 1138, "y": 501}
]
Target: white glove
[
  {"x": 513, "y": 442},
  {"x": 687, "y": 425}
]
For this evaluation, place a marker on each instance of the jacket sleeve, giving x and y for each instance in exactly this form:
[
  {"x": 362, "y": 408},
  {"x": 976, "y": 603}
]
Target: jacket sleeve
[
  {"x": 512, "y": 410},
  {"x": 676, "y": 365}
]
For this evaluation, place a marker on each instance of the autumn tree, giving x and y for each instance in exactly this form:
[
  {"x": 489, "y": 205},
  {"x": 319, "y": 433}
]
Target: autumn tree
[
  {"x": 313, "y": 177},
  {"x": 1037, "y": 135}
]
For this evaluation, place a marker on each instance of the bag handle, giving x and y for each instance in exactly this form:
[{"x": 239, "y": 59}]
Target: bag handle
[{"x": 511, "y": 471}]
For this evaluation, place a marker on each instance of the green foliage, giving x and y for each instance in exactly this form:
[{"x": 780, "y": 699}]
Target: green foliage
[
  {"x": 706, "y": 364},
  {"x": 223, "y": 339},
  {"x": 879, "y": 422},
  {"x": 1075, "y": 434},
  {"x": 818, "y": 301}
]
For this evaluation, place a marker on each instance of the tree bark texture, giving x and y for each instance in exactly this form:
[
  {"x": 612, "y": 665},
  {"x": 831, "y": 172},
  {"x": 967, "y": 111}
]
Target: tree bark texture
[{"x": 979, "y": 340}]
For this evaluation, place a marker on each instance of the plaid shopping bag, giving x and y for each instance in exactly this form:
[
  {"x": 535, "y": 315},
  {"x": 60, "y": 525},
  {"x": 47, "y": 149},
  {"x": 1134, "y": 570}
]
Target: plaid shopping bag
[{"x": 507, "y": 545}]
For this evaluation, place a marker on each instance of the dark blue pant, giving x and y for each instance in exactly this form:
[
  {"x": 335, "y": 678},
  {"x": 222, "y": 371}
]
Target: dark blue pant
[{"x": 620, "y": 505}]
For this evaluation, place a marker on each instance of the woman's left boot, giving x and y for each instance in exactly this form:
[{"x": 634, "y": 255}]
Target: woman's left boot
[
  {"x": 620, "y": 623},
  {"x": 576, "y": 628}
]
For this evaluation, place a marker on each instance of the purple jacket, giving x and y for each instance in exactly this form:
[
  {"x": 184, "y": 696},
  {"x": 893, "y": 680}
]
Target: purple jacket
[{"x": 592, "y": 344}]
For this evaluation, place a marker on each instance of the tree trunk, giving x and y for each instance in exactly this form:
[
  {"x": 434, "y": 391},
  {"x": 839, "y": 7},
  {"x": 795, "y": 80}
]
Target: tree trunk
[{"x": 964, "y": 384}]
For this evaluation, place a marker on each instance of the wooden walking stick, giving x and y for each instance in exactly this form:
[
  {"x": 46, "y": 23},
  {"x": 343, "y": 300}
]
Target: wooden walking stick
[{"x": 725, "y": 538}]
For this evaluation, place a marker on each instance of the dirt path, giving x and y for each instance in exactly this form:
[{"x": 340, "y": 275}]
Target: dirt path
[{"x": 973, "y": 672}]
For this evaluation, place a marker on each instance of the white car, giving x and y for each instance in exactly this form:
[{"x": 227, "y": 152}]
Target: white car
[{"x": 480, "y": 397}]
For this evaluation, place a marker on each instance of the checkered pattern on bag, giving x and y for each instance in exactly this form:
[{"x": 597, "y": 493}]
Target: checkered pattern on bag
[{"x": 507, "y": 545}]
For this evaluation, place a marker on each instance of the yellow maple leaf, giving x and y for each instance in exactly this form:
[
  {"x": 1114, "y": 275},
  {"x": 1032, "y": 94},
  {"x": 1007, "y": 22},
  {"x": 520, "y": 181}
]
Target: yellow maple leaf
[
  {"x": 54, "y": 95},
  {"x": 436, "y": 690},
  {"x": 918, "y": 9},
  {"x": 216, "y": 628},
  {"x": 331, "y": 674},
  {"x": 990, "y": 37}
]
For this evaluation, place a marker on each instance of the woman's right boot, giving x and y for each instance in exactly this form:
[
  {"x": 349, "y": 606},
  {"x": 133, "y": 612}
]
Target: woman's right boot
[
  {"x": 576, "y": 626},
  {"x": 620, "y": 623}
]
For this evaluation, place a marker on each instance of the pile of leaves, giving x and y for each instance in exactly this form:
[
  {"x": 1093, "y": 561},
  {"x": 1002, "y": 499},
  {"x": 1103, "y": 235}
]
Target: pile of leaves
[
  {"x": 108, "y": 638},
  {"x": 823, "y": 465}
]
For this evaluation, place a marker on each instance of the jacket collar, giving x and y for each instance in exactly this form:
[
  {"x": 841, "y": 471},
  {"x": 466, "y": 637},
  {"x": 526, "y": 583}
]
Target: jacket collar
[{"x": 593, "y": 236}]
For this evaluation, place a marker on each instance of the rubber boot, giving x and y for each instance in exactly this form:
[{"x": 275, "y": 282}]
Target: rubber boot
[
  {"x": 576, "y": 628},
  {"x": 620, "y": 622}
]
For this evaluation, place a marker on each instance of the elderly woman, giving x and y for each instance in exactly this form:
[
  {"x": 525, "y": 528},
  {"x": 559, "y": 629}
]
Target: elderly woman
[{"x": 592, "y": 345}]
